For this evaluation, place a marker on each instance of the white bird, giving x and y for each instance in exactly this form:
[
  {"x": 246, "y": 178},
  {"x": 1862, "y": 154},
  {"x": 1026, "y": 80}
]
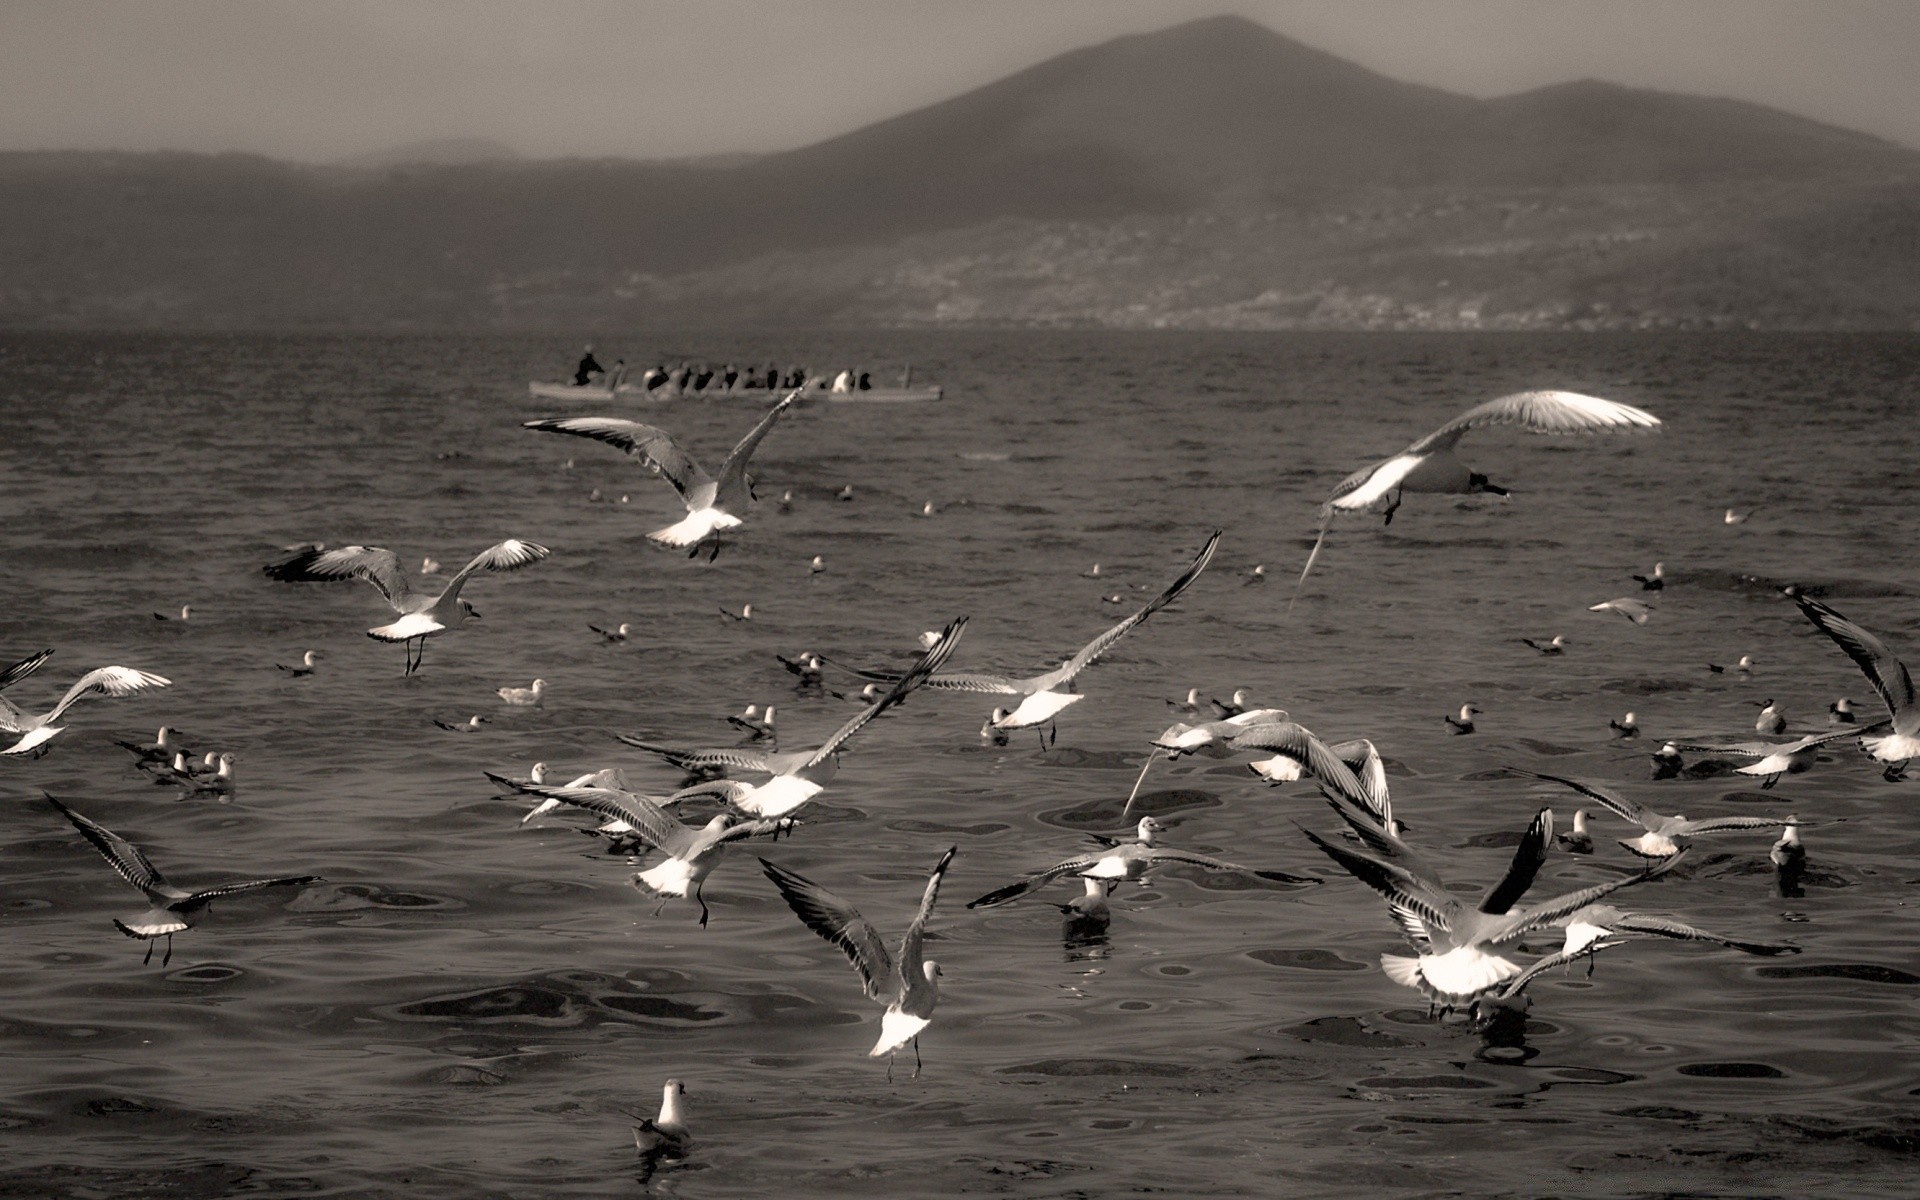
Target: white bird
[
  {"x": 186, "y": 614},
  {"x": 618, "y": 633},
  {"x": 164, "y": 746},
  {"x": 1771, "y": 720},
  {"x": 745, "y": 613},
  {"x": 429, "y": 565},
  {"x": 1600, "y": 927},
  {"x": 1464, "y": 722},
  {"x": 1042, "y": 697},
  {"x": 421, "y": 615},
  {"x": 1429, "y": 464},
  {"x": 102, "y": 681},
  {"x": 1788, "y": 852},
  {"x": 306, "y": 667},
  {"x": 1889, "y": 678},
  {"x": 1191, "y": 702},
  {"x": 1840, "y": 712},
  {"x": 691, "y": 854},
  {"x": 1736, "y": 517},
  {"x": 816, "y": 566},
  {"x": 471, "y": 725},
  {"x": 1627, "y": 726},
  {"x": 714, "y": 503},
  {"x": 796, "y": 777},
  {"x": 1558, "y": 644},
  {"x": 1460, "y": 950},
  {"x": 1633, "y": 610},
  {"x": 173, "y": 909},
  {"x": 216, "y": 776},
  {"x": 1775, "y": 758},
  {"x": 1654, "y": 582},
  {"x": 906, "y": 982},
  {"x": 1232, "y": 706},
  {"x": 754, "y": 722},
  {"x": 1744, "y": 666},
  {"x": 1665, "y": 836},
  {"x": 1257, "y": 575},
  {"x": 666, "y": 1133},
  {"x": 1121, "y": 861},
  {"x": 1213, "y": 738},
  {"x": 524, "y": 696},
  {"x": 1577, "y": 840}
]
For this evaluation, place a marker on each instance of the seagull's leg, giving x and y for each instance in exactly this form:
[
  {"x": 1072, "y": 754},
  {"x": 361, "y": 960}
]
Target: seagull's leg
[
  {"x": 890, "y": 1066},
  {"x": 168, "y": 956},
  {"x": 149, "y": 957},
  {"x": 916, "y": 1056},
  {"x": 703, "y": 903},
  {"x": 1392, "y": 508},
  {"x": 661, "y": 907},
  {"x": 1767, "y": 785}
]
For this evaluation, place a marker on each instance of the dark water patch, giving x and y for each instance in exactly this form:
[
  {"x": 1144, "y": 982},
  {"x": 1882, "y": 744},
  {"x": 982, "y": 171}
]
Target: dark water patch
[
  {"x": 1346, "y": 1031},
  {"x": 1499, "y": 839},
  {"x": 1099, "y": 760},
  {"x": 983, "y": 829},
  {"x": 1307, "y": 960},
  {"x": 1430, "y": 1119},
  {"x": 1593, "y": 1075},
  {"x": 659, "y": 1008},
  {"x": 1425, "y": 1083},
  {"x": 1105, "y": 815},
  {"x": 1659, "y": 1112},
  {"x": 467, "y": 1075},
  {"x": 1897, "y": 1139},
  {"x": 1081, "y": 1068},
  {"x": 1863, "y": 972},
  {"x": 1379, "y": 689},
  {"x": 117, "y": 1106},
  {"x": 1732, "y": 1070},
  {"x": 1645, "y": 687},
  {"x": 1551, "y": 749},
  {"x": 347, "y": 897},
  {"x": 206, "y": 973},
  {"x": 526, "y": 1003},
  {"x": 152, "y": 1183}
]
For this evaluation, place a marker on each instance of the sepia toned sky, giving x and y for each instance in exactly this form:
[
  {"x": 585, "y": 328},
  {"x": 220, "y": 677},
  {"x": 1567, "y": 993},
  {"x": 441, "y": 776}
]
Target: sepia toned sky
[{"x": 320, "y": 80}]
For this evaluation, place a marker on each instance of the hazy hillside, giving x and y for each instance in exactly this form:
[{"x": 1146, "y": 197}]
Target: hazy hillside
[{"x": 1215, "y": 173}]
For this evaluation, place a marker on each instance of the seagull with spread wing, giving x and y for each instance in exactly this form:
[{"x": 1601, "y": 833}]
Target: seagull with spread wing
[
  {"x": 422, "y": 614},
  {"x": 907, "y": 984},
  {"x": 1122, "y": 862},
  {"x": 173, "y": 909},
  {"x": 1887, "y": 674},
  {"x": 1429, "y": 465},
  {"x": 1664, "y": 835},
  {"x": 796, "y": 776},
  {"x": 714, "y": 503},
  {"x": 691, "y": 854},
  {"x": 1042, "y": 696},
  {"x": 36, "y": 732}
]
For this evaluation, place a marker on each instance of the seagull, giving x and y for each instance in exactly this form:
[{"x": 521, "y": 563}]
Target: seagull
[
  {"x": 163, "y": 747},
  {"x": 471, "y": 725},
  {"x": 1092, "y": 572},
  {"x": 429, "y": 565},
  {"x": 713, "y": 503},
  {"x": 1352, "y": 769},
  {"x": 1041, "y": 697},
  {"x": 1257, "y": 575},
  {"x": 1788, "y": 852},
  {"x": 1558, "y": 644},
  {"x": 1191, "y": 702},
  {"x": 1654, "y": 582},
  {"x": 1464, "y": 722},
  {"x": 1628, "y": 726},
  {"x": 1665, "y": 836},
  {"x": 618, "y": 633},
  {"x": 536, "y": 774},
  {"x": 1232, "y": 706},
  {"x": 1736, "y": 517},
  {"x": 753, "y": 722},
  {"x": 1744, "y": 666},
  {"x": 845, "y": 492},
  {"x": 421, "y": 616},
  {"x": 186, "y": 614},
  {"x": 691, "y": 854},
  {"x": 907, "y": 984},
  {"x": 1771, "y": 720},
  {"x": 745, "y": 613},
  {"x": 666, "y": 1133},
  {"x": 1775, "y": 758},
  {"x": 926, "y": 510},
  {"x": 219, "y": 779},
  {"x": 796, "y": 777},
  {"x": 174, "y": 909},
  {"x": 1460, "y": 949},
  {"x": 816, "y": 566},
  {"x": 1666, "y": 761},
  {"x": 102, "y": 681},
  {"x": 1213, "y": 738},
  {"x": 1577, "y": 840},
  {"x": 306, "y": 666},
  {"x": 1840, "y": 712},
  {"x": 524, "y": 696},
  {"x": 15, "y": 672},
  {"x": 1429, "y": 465},
  {"x": 1887, "y": 674},
  {"x": 1120, "y": 862},
  {"x": 808, "y": 668},
  {"x": 1633, "y": 610}
]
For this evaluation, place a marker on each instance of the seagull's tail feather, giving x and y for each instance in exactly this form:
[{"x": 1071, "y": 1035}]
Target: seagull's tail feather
[{"x": 1326, "y": 521}]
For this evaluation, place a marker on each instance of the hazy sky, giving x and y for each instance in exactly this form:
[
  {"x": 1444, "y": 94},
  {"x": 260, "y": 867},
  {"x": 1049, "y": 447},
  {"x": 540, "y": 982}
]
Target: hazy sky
[{"x": 318, "y": 80}]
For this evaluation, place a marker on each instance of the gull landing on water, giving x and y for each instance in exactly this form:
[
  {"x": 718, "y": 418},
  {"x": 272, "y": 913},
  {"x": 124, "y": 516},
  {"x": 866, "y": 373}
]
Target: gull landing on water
[
  {"x": 102, "y": 681},
  {"x": 174, "y": 909},
  {"x": 1429, "y": 465},
  {"x": 907, "y": 983},
  {"x": 714, "y": 503},
  {"x": 1889, "y": 678},
  {"x": 421, "y": 615}
]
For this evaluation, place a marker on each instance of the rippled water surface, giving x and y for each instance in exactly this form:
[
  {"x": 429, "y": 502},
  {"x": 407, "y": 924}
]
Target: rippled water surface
[{"x": 468, "y": 1006}]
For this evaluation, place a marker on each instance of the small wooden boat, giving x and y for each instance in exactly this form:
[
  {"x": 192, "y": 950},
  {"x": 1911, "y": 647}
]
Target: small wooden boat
[
  {"x": 549, "y": 390},
  {"x": 879, "y": 395},
  {"x": 543, "y": 389}
]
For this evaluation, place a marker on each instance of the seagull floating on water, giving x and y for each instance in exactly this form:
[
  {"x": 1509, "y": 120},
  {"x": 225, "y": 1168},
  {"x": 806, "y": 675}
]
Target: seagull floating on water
[
  {"x": 906, "y": 982},
  {"x": 421, "y": 616},
  {"x": 186, "y": 614},
  {"x": 306, "y": 667},
  {"x": 1771, "y": 719},
  {"x": 1577, "y": 840},
  {"x": 1840, "y": 712},
  {"x": 1654, "y": 582},
  {"x": 471, "y": 725},
  {"x": 714, "y": 503},
  {"x": 667, "y": 1133},
  {"x": 1628, "y": 726},
  {"x": 1558, "y": 644},
  {"x": 524, "y": 696},
  {"x": 753, "y": 721},
  {"x": 1744, "y": 666},
  {"x": 102, "y": 681},
  {"x": 1464, "y": 722},
  {"x": 1889, "y": 678},
  {"x": 1429, "y": 464},
  {"x": 173, "y": 909},
  {"x": 618, "y": 633}
]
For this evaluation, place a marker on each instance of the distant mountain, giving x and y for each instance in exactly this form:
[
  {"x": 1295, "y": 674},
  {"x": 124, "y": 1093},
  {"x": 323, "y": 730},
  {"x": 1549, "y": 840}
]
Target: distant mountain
[
  {"x": 439, "y": 152},
  {"x": 1212, "y": 174}
]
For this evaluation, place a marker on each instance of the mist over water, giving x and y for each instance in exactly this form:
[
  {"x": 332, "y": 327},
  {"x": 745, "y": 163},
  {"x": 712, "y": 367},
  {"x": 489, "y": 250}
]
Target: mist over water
[{"x": 470, "y": 1006}]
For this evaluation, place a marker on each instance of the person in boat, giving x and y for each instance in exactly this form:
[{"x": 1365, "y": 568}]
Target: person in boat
[
  {"x": 618, "y": 375},
  {"x": 588, "y": 368},
  {"x": 678, "y": 377},
  {"x": 797, "y": 377},
  {"x": 843, "y": 382},
  {"x": 703, "y": 378},
  {"x": 655, "y": 376},
  {"x": 729, "y": 377},
  {"x": 866, "y": 382},
  {"x": 752, "y": 381}
]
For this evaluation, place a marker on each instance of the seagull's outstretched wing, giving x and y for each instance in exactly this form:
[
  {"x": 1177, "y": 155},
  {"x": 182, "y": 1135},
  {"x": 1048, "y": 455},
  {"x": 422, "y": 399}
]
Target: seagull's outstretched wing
[
  {"x": 509, "y": 555},
  {"x": 1540, "y": 412},
  {"x": 648, "y": 819},
  {"x": 375, "y": 564},
  {"x": 694, "y": 760},
  {"x": 911, "y": 941},
  {"x": 916, "y": 675},
  {"x": 1528, "y": 857},
  {"x": 656, "y": 446},
  {"x": 1098, "y": 646},
  {"x": 200, "y": 898},
  {"x": 840, "y": 923},
  {"x": 733, "y": 472},
  {"x": 1605, "y": 797},
  {"x": 122, "y": 855},
  {"x": 25, "y": 667},
  {"x": 1887, "y": 674},
  {"x": 107, "y": 681},
  {"x": 1666, "y": 927}
]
